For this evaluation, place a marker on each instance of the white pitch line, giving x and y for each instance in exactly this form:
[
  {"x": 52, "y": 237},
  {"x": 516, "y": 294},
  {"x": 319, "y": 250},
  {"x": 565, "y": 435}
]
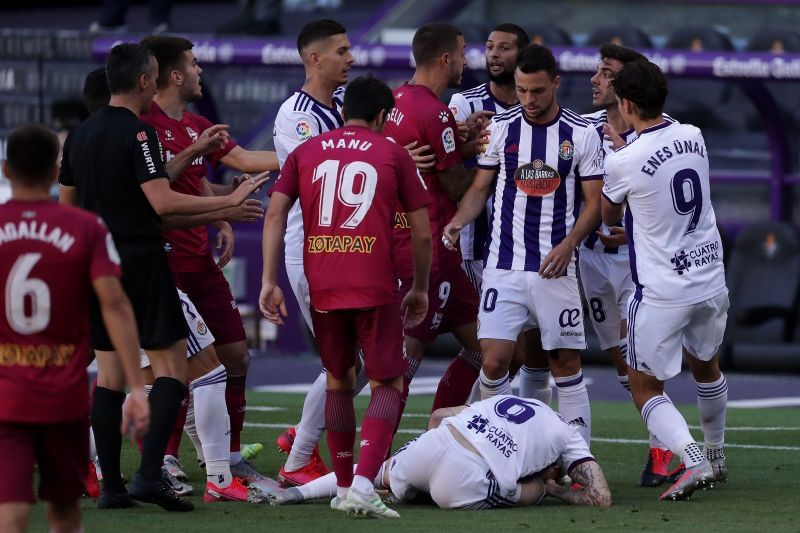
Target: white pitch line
[
  {"x": 594, "y": 439},
  {"x": 761, "y": 403},
  {"x": 265, "y": 408}
]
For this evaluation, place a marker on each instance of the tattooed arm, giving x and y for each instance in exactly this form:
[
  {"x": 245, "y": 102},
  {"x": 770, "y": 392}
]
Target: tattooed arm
[{"x": 595, "y": 490}]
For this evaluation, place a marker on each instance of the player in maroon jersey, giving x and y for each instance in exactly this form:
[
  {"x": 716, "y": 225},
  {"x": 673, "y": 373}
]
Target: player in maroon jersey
[
  {"x": 189, "y": 140},
  {"x": 349, "y": 182},
  {"x": 51, "y": 259},
  {"x": 420, "y": 116}
]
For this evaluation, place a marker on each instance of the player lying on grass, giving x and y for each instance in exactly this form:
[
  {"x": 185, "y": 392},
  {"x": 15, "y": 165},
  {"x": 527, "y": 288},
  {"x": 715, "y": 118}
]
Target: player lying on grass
[{"x": 500, "y": 452}]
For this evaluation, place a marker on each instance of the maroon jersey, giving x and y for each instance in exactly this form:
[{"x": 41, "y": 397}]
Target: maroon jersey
[
  {"x": 49, "y": 255},
  {"x": 420, "y": 116},
  {"x": 349, "y": 182},
  {"x": 187, "y": 249}
]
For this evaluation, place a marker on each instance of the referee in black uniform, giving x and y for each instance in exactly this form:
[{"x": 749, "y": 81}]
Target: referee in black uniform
[{"x": 114, "y": 162}]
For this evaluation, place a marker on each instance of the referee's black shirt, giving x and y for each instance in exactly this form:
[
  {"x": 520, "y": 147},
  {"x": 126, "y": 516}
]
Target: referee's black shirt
[{"x": 107, "y": 158}]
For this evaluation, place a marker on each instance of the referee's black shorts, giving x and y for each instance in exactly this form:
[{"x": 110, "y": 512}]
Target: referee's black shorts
[{"x": 148, "y": 281}]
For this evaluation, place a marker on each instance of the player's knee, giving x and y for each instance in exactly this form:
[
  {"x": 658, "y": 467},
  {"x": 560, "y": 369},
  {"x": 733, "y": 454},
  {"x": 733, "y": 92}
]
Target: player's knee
[
  {"x": 235, "y": 357},
  {"x": 14, "y": 517}
]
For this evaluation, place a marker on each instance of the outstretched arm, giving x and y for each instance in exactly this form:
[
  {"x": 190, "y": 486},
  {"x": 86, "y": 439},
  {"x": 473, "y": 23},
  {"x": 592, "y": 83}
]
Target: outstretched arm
[{"x": 595, "y": 489}]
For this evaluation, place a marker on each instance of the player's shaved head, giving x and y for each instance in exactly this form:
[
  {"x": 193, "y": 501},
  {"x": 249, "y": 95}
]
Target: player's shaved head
[
  {"x": 621, "y": 53},
  {"x": 96, "y": 93},
  {"x": 642, "y": 83},
  {"x": 365, "y": 98},
  {"x": 169, "y": 52},
  {"x": 317, "y": 31},
  {"x": 432, "y": 40},
  {"x": 522, "y": 36},
  {"x": 537, "y": 58},
  {"x": 125, "y": 64},
  {"x": 31, "y": 155}
]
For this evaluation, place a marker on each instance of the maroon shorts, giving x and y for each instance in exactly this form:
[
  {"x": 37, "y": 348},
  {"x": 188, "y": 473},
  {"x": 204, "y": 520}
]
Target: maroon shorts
[
  {"x": 379, "y": 332},
  {"x": 211, "y": 295},
  {"x": 60, "y": 449},
  {"x": 452, "y": 302}
]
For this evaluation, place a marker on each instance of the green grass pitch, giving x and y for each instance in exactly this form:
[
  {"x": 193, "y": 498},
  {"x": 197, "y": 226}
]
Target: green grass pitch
[{"x": 762, "y": 493}]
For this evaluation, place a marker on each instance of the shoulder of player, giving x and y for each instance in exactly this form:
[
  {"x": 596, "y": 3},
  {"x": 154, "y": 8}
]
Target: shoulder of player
[
  {"x": 479, "y": 91},
  {"x": 596, "y": 118},
  {"x": 574, "y": 119},
  {"x": 509, "y": 115}
]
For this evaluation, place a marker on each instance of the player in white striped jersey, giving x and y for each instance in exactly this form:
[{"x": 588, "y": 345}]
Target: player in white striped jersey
[
  {"x": 496, "y": 95},
  {"x": 316, "y": 108},
  {"x": 681, "y": 301},
  {"x": 545, "y": 155},
  {"x": 494, "y": 453},
  {"x": 605, "y": 270}
]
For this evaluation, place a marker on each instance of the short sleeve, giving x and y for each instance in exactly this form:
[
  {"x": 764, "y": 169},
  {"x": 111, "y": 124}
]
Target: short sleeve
[
  {"x": 291, "y": 130},
  {"x": 615, "y": 186},
  {"x": 147, "y": 161},
  {"x": 411, "y": 187},
  {"x": 65, "y": 176},
  {"x": 459, "y": 107},
  {"x": 215, "y": 156},
  {"x": 590, "y": 167},
  {"x": 104, "y": 260},
  {"x": 288, "y": 181},
  {"x": 441, "y": 134},
  {"x": 490, "y": 159}
]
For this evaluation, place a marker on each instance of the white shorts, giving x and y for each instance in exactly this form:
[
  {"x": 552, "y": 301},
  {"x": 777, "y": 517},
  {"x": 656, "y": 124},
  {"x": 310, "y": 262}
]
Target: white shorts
[
  {"x": 474, "y": 271},
  {"x": 198, "y": 337},
  {"x": 299, "y": 285},
  {"x": 511, "y": 300},
  {"x": 656, "y": 335},
  {"x": 607, "y": 285},
  {"x": 455, "y": 477}
]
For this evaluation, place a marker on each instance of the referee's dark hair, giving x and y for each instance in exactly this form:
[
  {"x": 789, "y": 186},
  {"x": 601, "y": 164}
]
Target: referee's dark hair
[
  {"x": 432, "y": 40},
  {"x": 317, "y": 31},
  {"x": 125, "y": 64},
  {"x": 96, "y": 93},
  {"x": 622, "y": 54},
  {"x": 32, "y": 155},
  {"x": 537, "y": 58},
  {"x": 522, "y": 36},
  {"x": 642, "y": 83},
  {"x": 365, "y": 98},
  {"x": 168, "y": 51}
]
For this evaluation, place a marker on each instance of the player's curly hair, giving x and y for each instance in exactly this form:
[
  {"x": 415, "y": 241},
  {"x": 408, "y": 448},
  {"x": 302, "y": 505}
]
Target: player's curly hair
[
  {"x": 622, "y": 54},
  {"x": 642, "y": 83}
]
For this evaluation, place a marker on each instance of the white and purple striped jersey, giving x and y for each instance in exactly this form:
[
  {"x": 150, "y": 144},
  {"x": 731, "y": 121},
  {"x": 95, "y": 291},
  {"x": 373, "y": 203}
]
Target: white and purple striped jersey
[
  {"x": 674, "y": 245},
  {"x": 537, "y": 197},
  {"x": 299, "y": 118},
  {"x": 592, "y": 241},
  {"x": 518, "y": 437},
  {"x": 462, "y": 105}
]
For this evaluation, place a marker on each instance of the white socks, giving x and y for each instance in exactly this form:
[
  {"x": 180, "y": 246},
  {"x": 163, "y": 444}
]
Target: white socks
[
  {"x": 573, "y": 403},
  {"x": 191, "y": 429},
  {"x": 322, "y": 487},
  {"x": 212, "y": 423},
  {"x": 535, "y": 383},
  {"x": 493, "y": 387},
  {"x": 712, "y": 402},
  {"x": 666, "y": 422}
]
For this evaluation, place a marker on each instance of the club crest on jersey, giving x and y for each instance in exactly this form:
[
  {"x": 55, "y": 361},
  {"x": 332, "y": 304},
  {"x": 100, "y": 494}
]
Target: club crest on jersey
[
  {"x": 303, "y": 130},
  {"x": 566, "y": 150},
  {"x": 537, "y": 179},
  {"x": 449, "y": 140},
  {"x": 201, "y": 328},
  {"x": 443, "y": 116}
]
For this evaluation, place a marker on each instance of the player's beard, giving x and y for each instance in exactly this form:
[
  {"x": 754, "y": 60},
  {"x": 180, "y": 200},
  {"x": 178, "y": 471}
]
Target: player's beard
[{"x": 504, "y": 78}]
